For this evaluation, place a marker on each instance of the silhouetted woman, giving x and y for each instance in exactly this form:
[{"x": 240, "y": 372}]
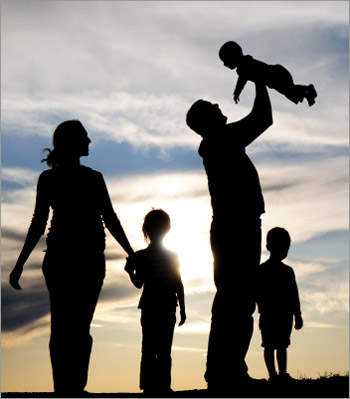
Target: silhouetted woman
[{"x": 74, "y": 263}]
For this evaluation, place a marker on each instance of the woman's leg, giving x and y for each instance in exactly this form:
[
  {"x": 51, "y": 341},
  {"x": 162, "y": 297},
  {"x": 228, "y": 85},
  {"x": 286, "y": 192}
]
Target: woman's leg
[{"x": 73, "y": 299}]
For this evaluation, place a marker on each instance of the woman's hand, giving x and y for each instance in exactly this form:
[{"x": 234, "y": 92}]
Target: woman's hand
[{"x": 15, "y": 275}]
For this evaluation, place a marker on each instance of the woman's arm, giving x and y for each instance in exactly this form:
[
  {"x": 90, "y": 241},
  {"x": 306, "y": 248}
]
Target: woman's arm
[
  {"x": 111, "y": 220},
  {"x": 35, "y": 231}
]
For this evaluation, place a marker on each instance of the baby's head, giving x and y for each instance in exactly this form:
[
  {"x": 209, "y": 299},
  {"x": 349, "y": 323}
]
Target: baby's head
[
  {"x": 278, "y": 242},
  {"x": 230, "y": 54},
  {"x": 155, "y": 225}
]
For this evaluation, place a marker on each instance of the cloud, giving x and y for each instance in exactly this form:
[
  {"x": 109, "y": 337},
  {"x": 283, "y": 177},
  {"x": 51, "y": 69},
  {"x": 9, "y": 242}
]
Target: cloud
[{"x": 18, "y": 175}]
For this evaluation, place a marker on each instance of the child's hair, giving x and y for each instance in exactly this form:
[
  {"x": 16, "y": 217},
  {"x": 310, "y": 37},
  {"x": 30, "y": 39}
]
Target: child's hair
[
  {"x": 231, "y": 49},
  {"x": 155, "y": 223},
  {"x": 278, "y": 238}
]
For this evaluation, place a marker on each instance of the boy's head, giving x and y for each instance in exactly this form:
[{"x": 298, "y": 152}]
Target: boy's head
[
  {"x": 155, "y": 225},
  {"x": 204, "y": 117},
  {"x": 230, "y": 54},
  {"x": 278, "y": 242}
]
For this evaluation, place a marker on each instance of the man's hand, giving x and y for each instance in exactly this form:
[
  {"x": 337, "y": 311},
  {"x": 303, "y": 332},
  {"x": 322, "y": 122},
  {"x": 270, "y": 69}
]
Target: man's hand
[
  {"x": 15, "y": 275},
  {"x": 298, "y": 322},
  {"x": 183, "y": 317}
]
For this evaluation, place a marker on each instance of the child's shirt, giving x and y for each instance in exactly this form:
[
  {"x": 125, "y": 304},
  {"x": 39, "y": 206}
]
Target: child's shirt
[
  {"x": 159, "y": 269},
  {"x": 277, "y": 291},
  {"x": 252, "y": 70}
]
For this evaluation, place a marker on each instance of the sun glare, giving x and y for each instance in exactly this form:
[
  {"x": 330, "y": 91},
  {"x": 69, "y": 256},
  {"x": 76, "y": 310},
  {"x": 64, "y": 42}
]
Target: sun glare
[{"x": 193, "y": 248}]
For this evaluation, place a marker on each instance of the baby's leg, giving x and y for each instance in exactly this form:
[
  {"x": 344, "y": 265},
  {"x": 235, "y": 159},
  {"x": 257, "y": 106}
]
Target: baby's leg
[{"x": 282, "y": 81}]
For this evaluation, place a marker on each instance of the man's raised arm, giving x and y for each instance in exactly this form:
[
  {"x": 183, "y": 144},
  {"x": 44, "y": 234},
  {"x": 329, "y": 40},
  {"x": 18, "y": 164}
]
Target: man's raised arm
[{"x": 257, "y": 121}]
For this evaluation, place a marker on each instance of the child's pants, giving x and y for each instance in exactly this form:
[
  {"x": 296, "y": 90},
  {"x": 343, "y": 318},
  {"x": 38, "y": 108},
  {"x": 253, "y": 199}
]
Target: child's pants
[{"x": 157, "y": 338}]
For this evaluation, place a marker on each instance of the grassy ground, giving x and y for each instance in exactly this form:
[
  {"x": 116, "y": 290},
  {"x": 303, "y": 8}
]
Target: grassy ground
[{"x": 326, "y": 386}]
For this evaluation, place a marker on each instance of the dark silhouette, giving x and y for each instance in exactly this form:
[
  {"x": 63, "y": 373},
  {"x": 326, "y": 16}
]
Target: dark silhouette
[
  {"x": 157, "y": 270},
  {"x": 274, "y": 76},
  {"x": 278, "y": 301},
  {"x": 74, "y": 263},
  {"x": 237, "y": 204}
]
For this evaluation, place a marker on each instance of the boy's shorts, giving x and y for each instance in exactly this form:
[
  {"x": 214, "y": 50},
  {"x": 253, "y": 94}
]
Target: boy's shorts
[{"x": 275, "y": 330}]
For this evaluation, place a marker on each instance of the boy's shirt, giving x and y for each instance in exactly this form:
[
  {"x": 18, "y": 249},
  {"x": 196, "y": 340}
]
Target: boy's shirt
[
  {"x": 277, "y": 291},
  {"x": 159, "y": 270}
]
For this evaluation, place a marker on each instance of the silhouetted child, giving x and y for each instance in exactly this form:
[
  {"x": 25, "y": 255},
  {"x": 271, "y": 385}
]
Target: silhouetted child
[
  {"x": 274, "y": 76},
  {"x": 157, "y": 270},
  {"x": 278, "y": 301}
]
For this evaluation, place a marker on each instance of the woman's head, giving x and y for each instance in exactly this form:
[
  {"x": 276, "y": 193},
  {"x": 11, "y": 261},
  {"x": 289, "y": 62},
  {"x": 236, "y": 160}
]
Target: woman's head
[
  {"x": 155, "y": 225},
  {"x": 70, "y": 142}
]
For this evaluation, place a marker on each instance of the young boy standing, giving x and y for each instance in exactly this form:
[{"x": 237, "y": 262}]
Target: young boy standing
[
  {"x": 157, "y": 270},
  {"x": 278, "y": 303}
]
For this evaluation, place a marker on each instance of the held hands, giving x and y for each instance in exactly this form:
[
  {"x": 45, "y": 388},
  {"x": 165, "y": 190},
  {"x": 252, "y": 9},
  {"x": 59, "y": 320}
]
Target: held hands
[
  {"x": 183, "y": 317},
  {"x": 298, "y": 322},
  {"x": 15, "y": 275},
  {"x": 130, "y": 264}
]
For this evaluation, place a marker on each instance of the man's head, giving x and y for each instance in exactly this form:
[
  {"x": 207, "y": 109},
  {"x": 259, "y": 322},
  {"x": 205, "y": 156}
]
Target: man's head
[{"x": 204, "y": 117}]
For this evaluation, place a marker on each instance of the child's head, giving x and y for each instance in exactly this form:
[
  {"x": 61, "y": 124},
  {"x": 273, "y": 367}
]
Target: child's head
[
  {"x": 155, "y": 225},
  {"x": 278, "y": 242},
  {"x": 230, "y": 53}
]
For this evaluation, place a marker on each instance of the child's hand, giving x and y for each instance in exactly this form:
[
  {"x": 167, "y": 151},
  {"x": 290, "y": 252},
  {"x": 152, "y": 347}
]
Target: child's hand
[
  {"x": 298, "y": 322},
  {"x": 130, "y": 264},
  {"x": 183, "y": 317}
]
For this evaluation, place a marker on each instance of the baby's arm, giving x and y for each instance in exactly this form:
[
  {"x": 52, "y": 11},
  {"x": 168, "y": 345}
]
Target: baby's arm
[{"x": 241, "y": 82}]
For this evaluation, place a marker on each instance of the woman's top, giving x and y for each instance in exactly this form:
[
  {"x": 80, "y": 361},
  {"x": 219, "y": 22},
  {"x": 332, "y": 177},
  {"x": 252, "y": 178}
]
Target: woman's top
[{"x": 80, "y": 203}]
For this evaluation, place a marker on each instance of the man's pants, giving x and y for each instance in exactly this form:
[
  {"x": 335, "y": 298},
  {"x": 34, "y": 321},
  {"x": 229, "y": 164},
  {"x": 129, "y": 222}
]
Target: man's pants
[{"x": 236, "y": 246}]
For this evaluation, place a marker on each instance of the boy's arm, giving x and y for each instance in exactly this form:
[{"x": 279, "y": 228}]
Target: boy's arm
[
  {"x": 256, "y": 122},
  {"x": 296, "y": 306},
  {"x": 180, "y": 292}
]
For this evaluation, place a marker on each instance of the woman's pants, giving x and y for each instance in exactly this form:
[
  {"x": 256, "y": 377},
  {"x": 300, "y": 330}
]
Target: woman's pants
[{"x": 74, "y": 283}]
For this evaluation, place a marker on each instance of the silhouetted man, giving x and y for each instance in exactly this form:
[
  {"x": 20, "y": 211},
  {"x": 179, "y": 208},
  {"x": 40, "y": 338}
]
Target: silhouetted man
[{"x": 237, "y": 203}]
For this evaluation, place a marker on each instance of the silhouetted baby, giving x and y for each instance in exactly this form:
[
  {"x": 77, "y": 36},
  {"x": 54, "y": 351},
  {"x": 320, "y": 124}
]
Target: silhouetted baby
[
  {"x": 278, "y": 301},
  {"x": 274, "y": 76},
  {"x": 157, "y": 270}
]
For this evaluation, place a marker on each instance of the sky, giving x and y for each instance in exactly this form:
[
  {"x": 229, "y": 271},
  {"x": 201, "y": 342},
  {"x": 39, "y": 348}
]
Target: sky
[{"x": 130, "y": 70}]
